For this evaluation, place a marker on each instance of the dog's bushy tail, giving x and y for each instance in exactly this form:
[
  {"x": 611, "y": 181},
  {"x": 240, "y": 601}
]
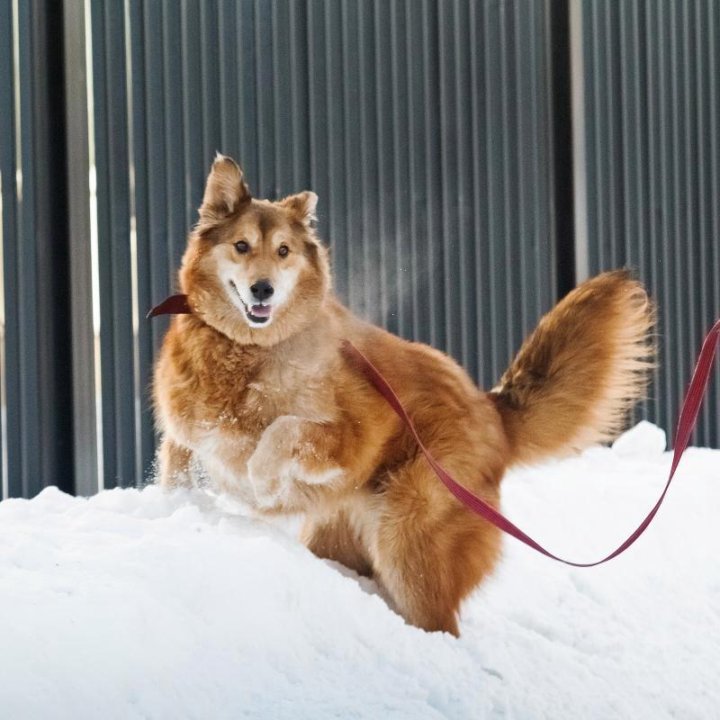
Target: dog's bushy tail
[{"x": 577, "y": 376}]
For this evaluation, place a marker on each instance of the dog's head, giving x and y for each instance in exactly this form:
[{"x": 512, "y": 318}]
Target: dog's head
[{"x": 254, "y": 269}]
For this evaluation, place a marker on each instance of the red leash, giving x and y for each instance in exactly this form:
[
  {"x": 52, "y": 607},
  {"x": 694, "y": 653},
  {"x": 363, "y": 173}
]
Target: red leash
[
  {"x": 177, "y": 304},
  {"x": 686, "y": 424}
]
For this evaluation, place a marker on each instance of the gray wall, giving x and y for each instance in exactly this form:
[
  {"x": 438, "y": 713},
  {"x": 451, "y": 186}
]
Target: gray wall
[
  {"x": 437, "y": 134},
  {"x": 35, "y": 382},
  {"x": 652, "y": 118}
]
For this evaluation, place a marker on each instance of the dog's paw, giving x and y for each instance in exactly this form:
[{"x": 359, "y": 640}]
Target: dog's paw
[
  {"x": 278, "y": 469},
  {"x": 272, "y": 483},
  {"x": 272, "y": 468}
]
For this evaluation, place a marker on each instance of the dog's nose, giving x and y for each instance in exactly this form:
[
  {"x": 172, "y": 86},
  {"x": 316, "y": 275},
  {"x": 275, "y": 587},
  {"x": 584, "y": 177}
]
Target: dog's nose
[{"x": 262, "y": 290}]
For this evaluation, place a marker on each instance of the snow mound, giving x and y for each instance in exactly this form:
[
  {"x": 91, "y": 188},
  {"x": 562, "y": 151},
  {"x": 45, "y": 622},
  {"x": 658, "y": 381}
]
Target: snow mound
[
  {"x": 145, "y": 604},
  {"x": 644, "y": 440}
]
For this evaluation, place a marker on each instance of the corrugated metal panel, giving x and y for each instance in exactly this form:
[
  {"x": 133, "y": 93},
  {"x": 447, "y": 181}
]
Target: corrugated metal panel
[
  {"x": 652, "y": 111},
  {"x": 8, "y": 232},
  {"x": 423, "y": 126},
  {"x": 119, "y": 459},
  {"x": 36, "y": 435},
  {"x": 81, "y": 223}
]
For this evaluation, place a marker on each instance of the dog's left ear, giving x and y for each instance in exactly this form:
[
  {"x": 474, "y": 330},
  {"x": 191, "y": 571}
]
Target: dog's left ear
[
  {"x": 225, "y": 191},
  {"x": 302, "y": 206}
]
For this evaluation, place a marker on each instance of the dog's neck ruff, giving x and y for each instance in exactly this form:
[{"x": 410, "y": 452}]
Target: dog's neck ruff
[{"x": 178, "y": 304}]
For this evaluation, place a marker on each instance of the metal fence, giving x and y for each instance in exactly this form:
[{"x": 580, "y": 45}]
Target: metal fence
[
  {"x": 436, "y": 132},
  {"x": 35, "y": 350},
  {"x": 652, "y": 174}
]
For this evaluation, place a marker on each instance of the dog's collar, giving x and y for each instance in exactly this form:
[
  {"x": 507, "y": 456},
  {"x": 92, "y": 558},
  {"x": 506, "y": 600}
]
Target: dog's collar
[{"x": 174, "y": 305}]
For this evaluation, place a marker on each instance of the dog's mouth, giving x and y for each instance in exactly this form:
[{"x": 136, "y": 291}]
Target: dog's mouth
[{"x": 258, "y": 314}]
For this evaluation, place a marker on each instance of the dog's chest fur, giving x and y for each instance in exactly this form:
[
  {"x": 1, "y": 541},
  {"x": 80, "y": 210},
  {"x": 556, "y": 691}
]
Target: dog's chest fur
[{"x": 218, "y": 397}]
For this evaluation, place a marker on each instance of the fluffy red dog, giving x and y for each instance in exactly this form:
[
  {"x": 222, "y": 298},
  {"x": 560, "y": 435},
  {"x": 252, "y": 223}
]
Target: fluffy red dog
[{"x": 253, "y": 386}]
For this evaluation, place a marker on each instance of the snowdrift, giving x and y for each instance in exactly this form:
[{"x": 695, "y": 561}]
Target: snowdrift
[{"x": 143, "y": 604}]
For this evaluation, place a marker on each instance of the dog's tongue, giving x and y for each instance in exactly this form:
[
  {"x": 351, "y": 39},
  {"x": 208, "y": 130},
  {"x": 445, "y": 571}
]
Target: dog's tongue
[{"x": 261, "y": 310}]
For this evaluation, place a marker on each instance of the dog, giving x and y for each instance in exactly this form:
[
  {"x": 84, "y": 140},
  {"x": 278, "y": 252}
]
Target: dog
[{"x": 253, "y": 386}]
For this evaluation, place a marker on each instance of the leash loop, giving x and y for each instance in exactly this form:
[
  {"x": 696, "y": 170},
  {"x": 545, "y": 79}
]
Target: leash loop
[{"x": 686, "y": 424}]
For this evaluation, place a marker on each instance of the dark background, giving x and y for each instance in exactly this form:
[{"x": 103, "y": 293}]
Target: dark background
[{"x": 474, "y": 160}]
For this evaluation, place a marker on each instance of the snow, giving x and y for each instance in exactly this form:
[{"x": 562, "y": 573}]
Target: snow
[{"x": 145, "y": 604}]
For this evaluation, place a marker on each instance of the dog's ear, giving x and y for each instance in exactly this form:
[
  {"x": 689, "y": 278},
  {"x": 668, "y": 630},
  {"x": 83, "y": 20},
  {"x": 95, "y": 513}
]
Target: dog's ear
[
  {"x": 302, "y": 206},
  {"x": 225, "y": 191}
]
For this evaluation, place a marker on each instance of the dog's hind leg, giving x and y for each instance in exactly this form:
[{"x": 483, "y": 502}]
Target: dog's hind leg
[
  {"x": 430, "y": 551},
  {"x": 334, "y": 539}
]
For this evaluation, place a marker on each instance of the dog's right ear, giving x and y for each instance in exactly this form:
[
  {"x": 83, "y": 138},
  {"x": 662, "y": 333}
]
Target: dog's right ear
[{"x": 225, "y": 191}]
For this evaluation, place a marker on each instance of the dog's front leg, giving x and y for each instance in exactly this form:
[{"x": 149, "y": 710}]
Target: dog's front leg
[
  {"x": 294, "y": 464},
  {"x": 174, "y": 465}
]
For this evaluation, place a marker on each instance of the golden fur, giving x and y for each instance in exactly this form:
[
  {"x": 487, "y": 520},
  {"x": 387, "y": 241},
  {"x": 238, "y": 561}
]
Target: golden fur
[{"x": 276, "y": 416}]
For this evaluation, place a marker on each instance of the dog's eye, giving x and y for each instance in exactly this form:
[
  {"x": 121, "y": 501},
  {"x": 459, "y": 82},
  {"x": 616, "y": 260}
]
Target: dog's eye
[
  {"x": 242, "y": 247},
  {"x": 283, "y": 250}
]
